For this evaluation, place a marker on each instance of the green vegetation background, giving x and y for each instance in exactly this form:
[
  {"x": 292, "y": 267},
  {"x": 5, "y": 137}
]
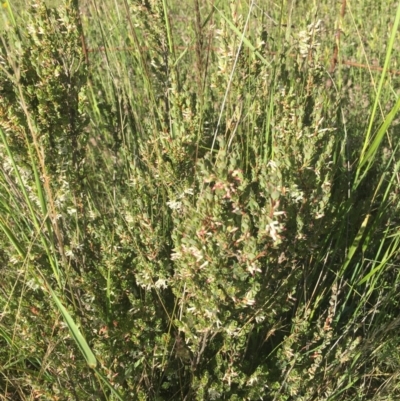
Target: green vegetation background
[{"x": 196, "y": 204}]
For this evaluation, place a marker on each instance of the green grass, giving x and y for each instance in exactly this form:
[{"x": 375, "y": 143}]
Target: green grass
[{"x": 195, "y": 205}]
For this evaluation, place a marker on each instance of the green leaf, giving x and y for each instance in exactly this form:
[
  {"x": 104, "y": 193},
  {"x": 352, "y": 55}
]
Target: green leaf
[{"x": 76, "y": 334}]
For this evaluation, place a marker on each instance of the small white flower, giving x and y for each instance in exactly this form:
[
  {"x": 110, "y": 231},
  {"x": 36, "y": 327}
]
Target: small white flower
[
  {"x": 176, "y": 255},
  {"x": 71, "y": 211},
  {"x": 272, "y": 229},
  {"x": 69, "y": 253},
  {"x": 33, "y": 285},
  {"x": 253, "y": 269},
  {"x": 174, "y": 205},
  {"x": 259, "y": 318},
  {"x": 213, "y": 394},
  {"x": 252, "y": 380},
  {"x": 161, "y": 283}
]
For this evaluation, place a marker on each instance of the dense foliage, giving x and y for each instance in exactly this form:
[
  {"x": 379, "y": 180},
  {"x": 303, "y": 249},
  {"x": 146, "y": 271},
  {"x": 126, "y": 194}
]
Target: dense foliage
[{"x": 196, "y": 212}]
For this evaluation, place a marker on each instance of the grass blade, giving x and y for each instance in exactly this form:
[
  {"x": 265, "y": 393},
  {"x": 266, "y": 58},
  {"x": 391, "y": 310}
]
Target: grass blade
[
  {"x": 76, "y": 333},
  {"x": 367, "y": 154}
]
